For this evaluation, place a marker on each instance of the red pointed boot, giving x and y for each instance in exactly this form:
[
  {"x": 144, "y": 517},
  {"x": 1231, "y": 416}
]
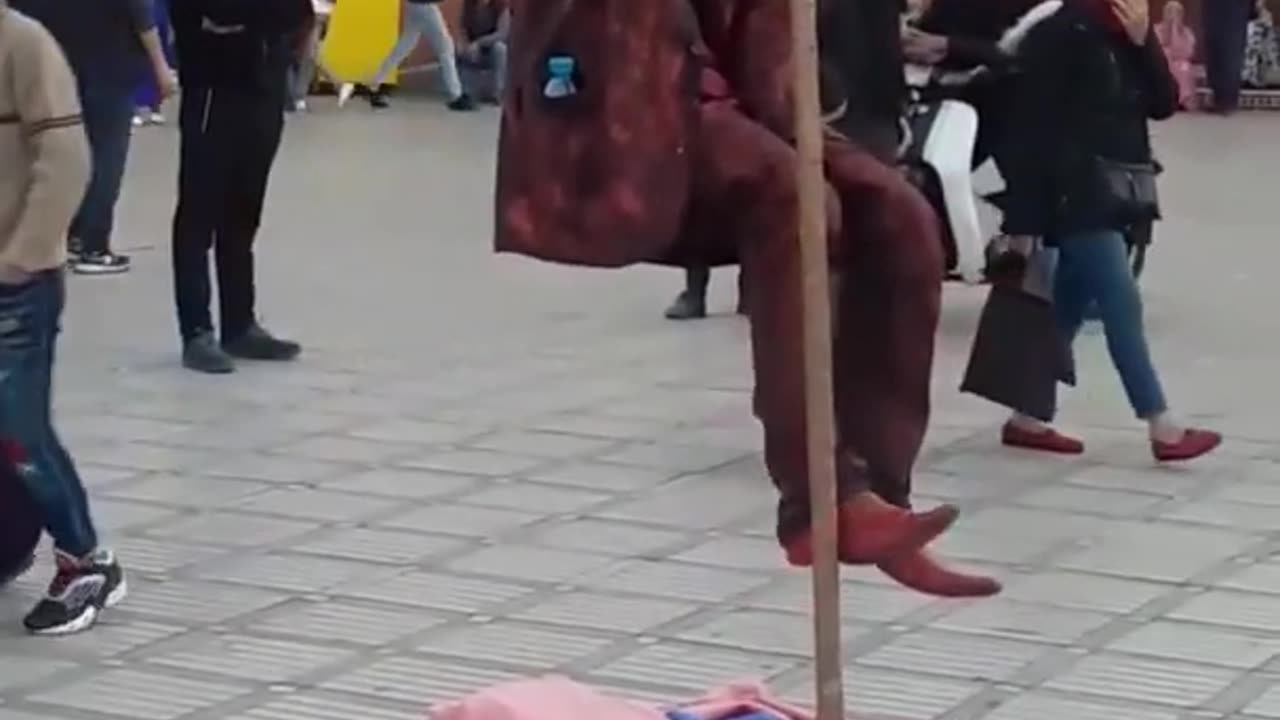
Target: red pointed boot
[
  {"x": 872, "y": 530},
  {"x": 923, "y": 573}
]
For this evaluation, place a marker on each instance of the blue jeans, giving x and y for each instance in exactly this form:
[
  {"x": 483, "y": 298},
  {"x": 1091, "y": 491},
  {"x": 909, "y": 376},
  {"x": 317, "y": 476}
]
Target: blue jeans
[
  {"x": 29, "y": 325},
  {"x": 1093, "y": 268},
  {"x": 108, "y": 121},
  {"x": 425, "y": 21}
]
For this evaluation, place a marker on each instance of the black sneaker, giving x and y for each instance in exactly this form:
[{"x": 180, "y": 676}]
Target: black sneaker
[
  {"x": 203, "y": 354},
  {"x": 107, "y": 263},
  {"x": 258, "y": 344},
  {"x": 79, "y": 593},
  {"x": 462, "y": 103},
  {"x": 378, "y": 98},
  {"x": 75, "y": 251}
]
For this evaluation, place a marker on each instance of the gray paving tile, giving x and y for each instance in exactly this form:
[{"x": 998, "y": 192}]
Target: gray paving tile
[
  {"x": 967, "y": 657},
  {"x": 358, "y": 623},
  {"x": 295, "y": 573},
  {"x": 17, "y": 671},
  {"x": 1266, "y": 705},
  {"x": 1162, "y": 682},
  {"x": 1085, "y": 592},
  {"x": 758, "y": 631},
  {"x": 317, "y": 505},
  {"x": 141, "y": 695},
  {"x": 1095, "y": 501},
  {"x": 676, "y": 580},
  {"x": 398, "y": 483},
  {"x": 601, "y": 476},
  {"x": 1022, "y": 621},
  {"x": 115, "y": 515},
  {"x": 858, "y": 602},
  {"x": 187, "y": 491},
  {"x": 234, "y": 529},
  {"x": 606, "y": 612},
  {"x": 417, "y": 680},
  {"x": 252, "y": 659},
  {"x": 1044, "y": 706},
  {"x": 1235, "y": 609},
  {"x": 1157, "y": 552},
  {"x": 111, "y": 638},
  {"x": 329, "y": 706},
  {"x": 531, "y": 497},
  {"x": 161, "y": 556},
  {"x": 156, "y": 458},
  {"x": 542, "y": 444},
  {"x": 608, "y": 538},
  {"x": 692, "y": 667},
  {"x": 379, "y": 546},
  {"x": 538, "y": 649},
  {"x": 1261, "y": 578},
  {"x": 1231, "y": 515},
  {"x": 884, "y": 694},
  {"x": 671, "y": 456},
  {"x": 1201, "y": 643},
  {"x": 273, "y": 469},
  {"x": 353, "y": 451},
  {"x": 190, "y": 601},
  {"x": 419, "y": 432},
  {"x": 520, "y": 562},
  {"x": 463, "y": 520},
  {"x": 483, "y": 463},
  {"x": 437, "y": 591}
]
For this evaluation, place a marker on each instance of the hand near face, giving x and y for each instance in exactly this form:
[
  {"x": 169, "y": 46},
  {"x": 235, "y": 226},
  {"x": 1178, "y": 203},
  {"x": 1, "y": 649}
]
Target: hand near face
[{"x": 1135, "y": 16}]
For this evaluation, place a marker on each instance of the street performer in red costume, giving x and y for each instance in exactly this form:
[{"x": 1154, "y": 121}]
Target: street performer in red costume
[{"x": 661, "y": 132}]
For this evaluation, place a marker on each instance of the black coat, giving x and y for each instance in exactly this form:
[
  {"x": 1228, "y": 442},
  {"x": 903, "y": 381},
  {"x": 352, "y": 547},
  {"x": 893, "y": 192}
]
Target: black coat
[
  {"x": 861, "y": 49},
  {"x": 1085, "y": 93}
]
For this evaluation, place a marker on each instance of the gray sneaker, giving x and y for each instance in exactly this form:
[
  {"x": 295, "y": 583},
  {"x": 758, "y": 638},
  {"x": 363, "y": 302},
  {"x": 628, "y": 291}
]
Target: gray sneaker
[{"x": 203, "y": 354}]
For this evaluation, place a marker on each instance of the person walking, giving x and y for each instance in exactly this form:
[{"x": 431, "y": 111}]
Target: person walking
[
  {"x": 47, "y": 168},
  {"x": 1081, "y": 175},
  {"x": 234, "y": 60},
  {"x": 149, "y": 96},
  {"x": 422, "y": 18},
  {"x": 1224, "y": 32},
  {"x": 110, "y": 44}
]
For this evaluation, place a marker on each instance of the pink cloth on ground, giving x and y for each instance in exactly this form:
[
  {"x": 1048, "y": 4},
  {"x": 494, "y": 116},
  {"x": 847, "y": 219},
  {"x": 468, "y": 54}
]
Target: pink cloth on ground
[{"x": 558, "y": 698}]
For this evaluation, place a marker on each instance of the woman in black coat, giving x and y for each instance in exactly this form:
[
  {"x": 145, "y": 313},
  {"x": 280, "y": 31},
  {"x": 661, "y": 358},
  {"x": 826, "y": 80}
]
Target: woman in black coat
[{"x": 1080, "y": 174}]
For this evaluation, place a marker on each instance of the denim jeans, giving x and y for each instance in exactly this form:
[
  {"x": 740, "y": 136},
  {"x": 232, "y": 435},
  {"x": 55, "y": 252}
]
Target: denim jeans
[
  {"x": 29, "y": 325},
  {"x": 425, "y": 21},
  {"x": 108, "y": 121},
  {"x": 1093, "y": 268}
]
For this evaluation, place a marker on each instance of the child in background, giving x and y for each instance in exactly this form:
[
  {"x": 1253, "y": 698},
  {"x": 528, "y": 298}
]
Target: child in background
[
  {"x": 1179, "y": 43},
  {"x": 1262, "y": 51}
]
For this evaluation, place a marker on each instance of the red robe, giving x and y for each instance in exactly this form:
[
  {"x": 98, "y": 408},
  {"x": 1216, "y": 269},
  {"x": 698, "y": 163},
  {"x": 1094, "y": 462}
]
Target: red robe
[{"x": 678, "y": 150}]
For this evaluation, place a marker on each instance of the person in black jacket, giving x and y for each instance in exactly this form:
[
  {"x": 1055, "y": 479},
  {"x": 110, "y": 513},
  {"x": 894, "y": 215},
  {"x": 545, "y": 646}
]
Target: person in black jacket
[
  {"x": 234, "y": 58},
  {"x": 1094, "y": 75},
  {"x": 1225, "y": 32}
]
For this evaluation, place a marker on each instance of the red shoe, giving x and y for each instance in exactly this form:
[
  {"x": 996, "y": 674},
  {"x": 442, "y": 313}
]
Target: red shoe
[
  {"x": 1194, "y": 443},
  {"x": 922, "y": 573},
  {"x": 1047, "y": 440},
  {"x": 872, "y": 530}
]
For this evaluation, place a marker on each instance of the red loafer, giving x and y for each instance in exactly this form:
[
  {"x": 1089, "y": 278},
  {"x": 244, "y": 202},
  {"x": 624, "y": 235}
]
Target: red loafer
[
  {"x": 1194, "y": 444},
  {"x": 1047, "y": 440}
]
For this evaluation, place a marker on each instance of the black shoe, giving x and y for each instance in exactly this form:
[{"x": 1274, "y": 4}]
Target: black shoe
[
  {"x": 12, "y": 574},
  {"x": 688, "y": 306},
  {"x": 75, "y": 251},
  {"x": 203, "y": 354},
  {"x": 462, "y": 103},
  {"x": 104, "y": 263},
  {"x": 81, "y": 590},
  {"x": 258, "y": 344},
  {"x": 378, "y": 98}
]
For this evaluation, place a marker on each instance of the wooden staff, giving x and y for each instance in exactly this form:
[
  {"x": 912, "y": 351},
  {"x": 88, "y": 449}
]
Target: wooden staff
[{"x": 819, "y": 405}]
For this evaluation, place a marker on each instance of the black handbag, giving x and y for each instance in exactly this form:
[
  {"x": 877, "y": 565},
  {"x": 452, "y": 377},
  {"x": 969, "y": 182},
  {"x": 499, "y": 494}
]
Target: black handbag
[{"x": 1127, "y": 192}]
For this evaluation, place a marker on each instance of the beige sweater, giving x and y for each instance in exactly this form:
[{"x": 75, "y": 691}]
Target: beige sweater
[{"x": 44, "y": 155}]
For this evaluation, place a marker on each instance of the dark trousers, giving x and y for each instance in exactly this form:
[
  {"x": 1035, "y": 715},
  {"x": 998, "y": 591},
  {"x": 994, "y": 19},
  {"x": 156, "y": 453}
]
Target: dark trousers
[
  {"x": 229, "y": 142},
  {"x": 885, "y": 250},
  {"x": 29, "y": 323},
  {"x": 1226, "y": 27},
  {"x": 108, "y": 121}
]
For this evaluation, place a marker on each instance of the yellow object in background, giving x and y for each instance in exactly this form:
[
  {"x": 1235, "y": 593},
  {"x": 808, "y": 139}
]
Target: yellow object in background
[{"x": 360, "y": 35}]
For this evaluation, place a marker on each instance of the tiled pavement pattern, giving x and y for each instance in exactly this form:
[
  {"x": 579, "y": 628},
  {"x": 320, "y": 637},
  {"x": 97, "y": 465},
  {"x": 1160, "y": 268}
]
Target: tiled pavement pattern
[{"x": 487, "y": 469}]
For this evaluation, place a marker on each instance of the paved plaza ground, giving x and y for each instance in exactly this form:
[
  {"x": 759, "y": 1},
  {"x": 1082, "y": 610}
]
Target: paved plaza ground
[{"x": 486, "y": 468}]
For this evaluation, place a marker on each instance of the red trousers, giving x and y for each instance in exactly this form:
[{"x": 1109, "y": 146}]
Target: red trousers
[{"x": 887, "y": 264}]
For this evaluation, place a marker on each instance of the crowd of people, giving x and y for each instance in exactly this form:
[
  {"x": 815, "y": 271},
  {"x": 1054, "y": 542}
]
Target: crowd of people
[{"x": 657, "y": 173}]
